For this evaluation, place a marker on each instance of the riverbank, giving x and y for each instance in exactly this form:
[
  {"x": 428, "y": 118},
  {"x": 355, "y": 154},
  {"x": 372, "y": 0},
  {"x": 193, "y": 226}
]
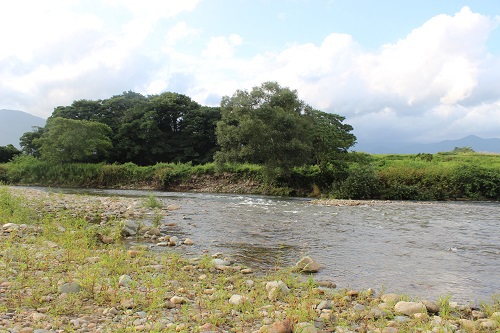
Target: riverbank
[{"x": 65, "y": 268}]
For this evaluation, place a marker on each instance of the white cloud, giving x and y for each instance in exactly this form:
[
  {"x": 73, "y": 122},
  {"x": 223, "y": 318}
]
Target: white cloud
[
  {"x": 222, "y": 46},
  {"x": 437, "y": 81}
]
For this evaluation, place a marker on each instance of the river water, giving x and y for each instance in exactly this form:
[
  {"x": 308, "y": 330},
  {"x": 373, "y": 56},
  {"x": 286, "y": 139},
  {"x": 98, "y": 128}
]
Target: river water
[{"x": 425, "y": 250}]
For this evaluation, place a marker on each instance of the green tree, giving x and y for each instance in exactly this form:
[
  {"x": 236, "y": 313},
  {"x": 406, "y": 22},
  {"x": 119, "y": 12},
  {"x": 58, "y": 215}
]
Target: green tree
[
  {"x": 264, "y": 126},
  {"x": 8, "y": 152},
  {"x": 28, "y": 141},
  {"x": 69, "y": 140},
  {"x": 331, "y": 138}
]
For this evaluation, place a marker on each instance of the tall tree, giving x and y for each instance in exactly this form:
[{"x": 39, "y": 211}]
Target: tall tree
[
  {"x": 69, "y": 140},
  {"x": 270, "y": 125},
  {"x": 29, "y": 143},
  {"x": 264, "y": 126}
]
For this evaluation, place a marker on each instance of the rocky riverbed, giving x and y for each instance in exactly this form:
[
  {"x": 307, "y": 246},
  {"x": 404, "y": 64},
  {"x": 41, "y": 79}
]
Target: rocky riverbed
[{"x": 63, "y": 268}]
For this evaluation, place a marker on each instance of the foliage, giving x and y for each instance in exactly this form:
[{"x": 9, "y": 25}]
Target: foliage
[
  {"x": 145, "y": 130},
  {"x": 8, "y": 152},
  {"x": 29, "y": 141},
  {"x": 69, "y": 141},
  {"x": 362, "y": 182},
  {"x": 270, "y": 126}
]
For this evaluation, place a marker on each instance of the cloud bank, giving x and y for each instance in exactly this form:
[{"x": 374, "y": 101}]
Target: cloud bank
[{"x": 439, "y": 82}]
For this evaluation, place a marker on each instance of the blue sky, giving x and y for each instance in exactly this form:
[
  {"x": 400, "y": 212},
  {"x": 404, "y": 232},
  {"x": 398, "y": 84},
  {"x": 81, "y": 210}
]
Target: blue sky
[{"x": 405, "y": 71}]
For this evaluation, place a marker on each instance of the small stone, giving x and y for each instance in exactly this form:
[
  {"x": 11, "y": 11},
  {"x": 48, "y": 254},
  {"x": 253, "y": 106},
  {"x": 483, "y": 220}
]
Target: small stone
[
  {"x": 127, "y": 303},
  {"x": 124, "y": 281},
  {"x": 466, "y": 323},
  {"x": 26, "y": 330},
  {"x": 327, "y": 284},
  {"x": 237, "y": 299},
  {"x": 431, "y": 306},
  {"x": 324, "y": 305},
  {"x": 390, "y": 298},
  {"x": 173, "y": 241},
  {"x": 130, "y": 228},
  {"x": 220, "y": 262},
  {"x": 36, "y": 316},
  {"x": 246, "y": 271},
  {"x": 390, "y": 330},
  {"x": 478, "y": 314},
  {"x": 178, "y": 300},
  {"x": 188, "y": 241},
  {"x": 277, "y": 290},
  {"x": 489, "y": 324},
  {"x": 495, "y": 315},
  {"x": 307, "y": 265},
  {"x": 154, "y": 232},
  {"x": 410, "y": 308},
  {"x": 173, "y": 207},
  {"x": 69, "y": 288},
  {"x": 284, "y": 326},
  {"x": 306, "y": 328}
]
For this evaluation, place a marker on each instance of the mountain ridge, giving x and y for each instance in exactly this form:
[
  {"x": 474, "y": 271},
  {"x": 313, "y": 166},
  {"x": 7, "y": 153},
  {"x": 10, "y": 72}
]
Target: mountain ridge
[{"x": 14, "y": 123}]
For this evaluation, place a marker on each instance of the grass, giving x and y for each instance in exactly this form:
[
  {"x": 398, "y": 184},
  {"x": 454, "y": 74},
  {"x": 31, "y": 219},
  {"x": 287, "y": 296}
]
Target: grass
[{"x": 49, "y": 248}]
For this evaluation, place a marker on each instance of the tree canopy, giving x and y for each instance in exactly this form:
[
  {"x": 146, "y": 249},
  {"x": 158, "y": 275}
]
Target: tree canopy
[
  {"x": 270, "y": 125},
  {"x": 69, "y": 140}
]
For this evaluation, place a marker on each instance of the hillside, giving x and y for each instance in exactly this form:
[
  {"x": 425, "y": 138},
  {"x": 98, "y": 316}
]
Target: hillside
[
  {"x": 13, "y": 124},
  {"x": 476, "y": 143}
]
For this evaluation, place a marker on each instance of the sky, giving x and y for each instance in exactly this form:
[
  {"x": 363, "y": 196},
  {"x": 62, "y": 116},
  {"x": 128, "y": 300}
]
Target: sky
[{"x": 399, "y": 71}]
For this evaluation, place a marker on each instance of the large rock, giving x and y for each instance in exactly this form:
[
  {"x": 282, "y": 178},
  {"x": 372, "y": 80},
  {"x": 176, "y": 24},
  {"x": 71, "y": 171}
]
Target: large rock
[
  {"x": 130, "y": 228},
  {"x": 277, "y": 290},
  {"x": 308, "y": 265},
  {"x": 409, "y": 308},
  {"x": 70, "y": 288}
]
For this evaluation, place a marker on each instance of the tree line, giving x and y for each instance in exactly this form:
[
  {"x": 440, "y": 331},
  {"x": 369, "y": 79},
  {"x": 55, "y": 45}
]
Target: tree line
[{"x": 267, "y": 125}]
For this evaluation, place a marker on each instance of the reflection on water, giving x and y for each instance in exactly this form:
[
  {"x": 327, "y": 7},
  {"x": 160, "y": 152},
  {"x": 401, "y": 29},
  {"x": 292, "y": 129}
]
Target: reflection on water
[{"x": 425, "y": 250}]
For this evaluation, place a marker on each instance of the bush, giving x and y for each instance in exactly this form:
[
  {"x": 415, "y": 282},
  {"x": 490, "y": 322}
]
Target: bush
[{"x": 362, "y": 182}]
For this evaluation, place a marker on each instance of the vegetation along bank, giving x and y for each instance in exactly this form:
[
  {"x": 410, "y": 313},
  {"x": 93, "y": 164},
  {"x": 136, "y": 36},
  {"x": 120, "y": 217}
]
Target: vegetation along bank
[
  {"x": 265, "y": 140},
  {"x": 64, "y": 268}
]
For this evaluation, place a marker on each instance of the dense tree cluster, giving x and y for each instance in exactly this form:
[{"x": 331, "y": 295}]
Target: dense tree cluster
[
  {"x": 145, "y": 130},
  {"x": 268, "y": 125},
  {"x": 8, "y": 152}
]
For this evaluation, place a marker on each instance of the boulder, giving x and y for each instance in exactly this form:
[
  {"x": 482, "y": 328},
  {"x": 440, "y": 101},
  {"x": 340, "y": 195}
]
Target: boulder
[
  {"x": 409, "y": 308},
  {"x": 69, "y": 288},
  {"x": 307, "y": 265},
  {"x": 277, "y": 290},
  {"x": 130, "y": 228}
]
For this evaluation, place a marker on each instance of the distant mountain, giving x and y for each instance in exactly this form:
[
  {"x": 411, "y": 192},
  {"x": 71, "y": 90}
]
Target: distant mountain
[
  {"x": 13, "y": 124},
  {"x": 476, "y": 143}
]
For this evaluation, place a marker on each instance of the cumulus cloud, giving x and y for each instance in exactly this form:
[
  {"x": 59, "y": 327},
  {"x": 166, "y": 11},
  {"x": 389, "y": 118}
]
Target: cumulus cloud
[{"x": 437, "y": 82}]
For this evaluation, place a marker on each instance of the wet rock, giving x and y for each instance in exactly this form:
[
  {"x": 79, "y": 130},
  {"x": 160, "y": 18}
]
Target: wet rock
[
  {"x": 409, "y": 308},
  {"x": 307, "y": 265},
  {"x": 130, "y": 228},
  {"x": 154, "y": 232},
  {"x": 69, "y": 288},
  {"x": 173, "y": 207},
  {"x": 173, "y": 241}
]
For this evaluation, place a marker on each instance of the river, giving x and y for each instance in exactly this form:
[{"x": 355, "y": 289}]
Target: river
[{"x": 425, "y": 250}]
